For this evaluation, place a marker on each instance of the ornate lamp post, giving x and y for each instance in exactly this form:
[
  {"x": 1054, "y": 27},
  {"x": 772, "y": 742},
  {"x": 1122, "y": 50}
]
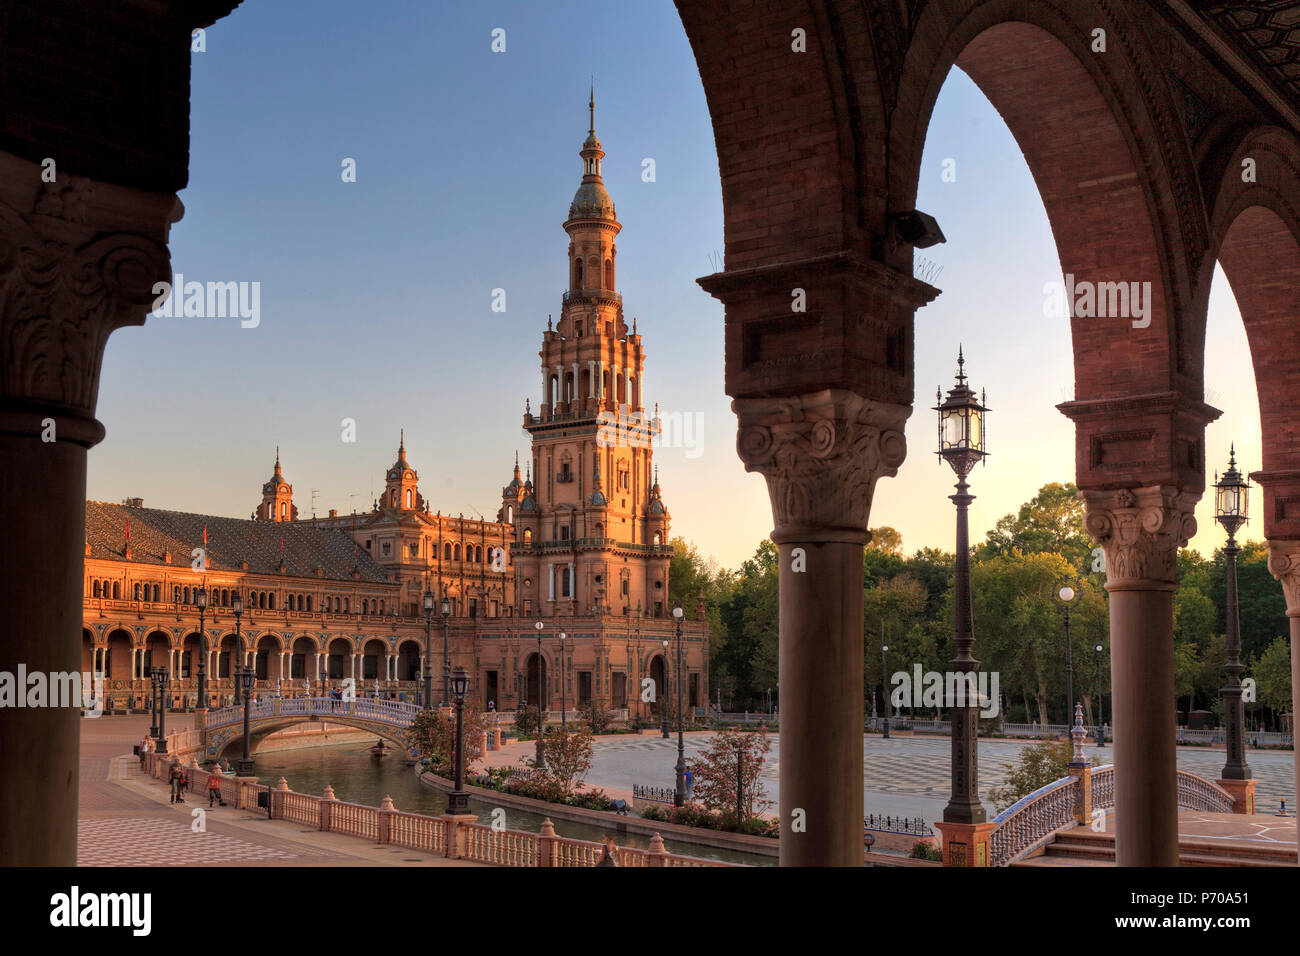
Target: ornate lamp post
[
  {"x": 163, "y": 680},
  {"x": 1101, "y": 734},
  {"x": 564, "y": 676},
  {"x": 458, "y": 799},
  {"x": 153, "y": 701},
  {"x": 1232, "y": 509},
  {"x": 961, "y": 445},
  {"x": 244, "y": 679},
  {"x": 679, "y": 795},
  {"x": 201, "y": 600},
  {"x": 237, "y": 608},
  {"x": 640, "y": 674},
  {"x": 428, "y": 649},
  {"x": 1065, "y": 596},
  {"x": 541, "y": 695},
  {"x": 663, "y": 697},
  {"x": 884, "y": 688},
  {"x": 446, "y": 660}
]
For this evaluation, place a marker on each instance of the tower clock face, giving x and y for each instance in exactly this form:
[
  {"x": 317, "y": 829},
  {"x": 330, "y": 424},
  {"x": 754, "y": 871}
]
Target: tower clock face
[{"x": 268, "y": 489}]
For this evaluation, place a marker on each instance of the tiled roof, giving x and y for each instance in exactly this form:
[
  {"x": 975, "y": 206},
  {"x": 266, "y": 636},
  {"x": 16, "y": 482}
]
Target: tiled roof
[{"x": 230, "y": 542}]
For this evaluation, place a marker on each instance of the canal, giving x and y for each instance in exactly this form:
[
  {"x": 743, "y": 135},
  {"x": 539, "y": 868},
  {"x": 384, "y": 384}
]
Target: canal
[{"x": 359, "y": 778}]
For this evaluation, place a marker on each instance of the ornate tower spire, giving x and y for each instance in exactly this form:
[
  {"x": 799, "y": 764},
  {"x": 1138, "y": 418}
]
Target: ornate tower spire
[{"x": 277, "y": 496}]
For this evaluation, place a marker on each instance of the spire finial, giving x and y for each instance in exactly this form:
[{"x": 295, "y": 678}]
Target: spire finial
[
  {"x": 961, "y": 364},
  {"x": 401, "y": 441},
  {"x": 591, "y": 104}
]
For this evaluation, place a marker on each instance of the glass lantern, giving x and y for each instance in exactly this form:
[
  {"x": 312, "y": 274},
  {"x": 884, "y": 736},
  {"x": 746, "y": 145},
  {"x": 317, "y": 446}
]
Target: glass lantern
[
  {"x": 961, "y": 424},
  {"x": 1231, "y": 496}
]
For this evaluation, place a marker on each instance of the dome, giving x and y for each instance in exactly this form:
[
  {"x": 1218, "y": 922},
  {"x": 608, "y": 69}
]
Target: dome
[
  {"x": 656, "y": 507},
  {"x": 592, "y": 201},
  {"x": 597, "y": 498},
  {"x": 528, "y": 504}
]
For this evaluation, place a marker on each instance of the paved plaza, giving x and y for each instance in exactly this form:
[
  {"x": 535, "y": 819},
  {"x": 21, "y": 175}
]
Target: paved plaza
[{"x": 904, "y": 776}]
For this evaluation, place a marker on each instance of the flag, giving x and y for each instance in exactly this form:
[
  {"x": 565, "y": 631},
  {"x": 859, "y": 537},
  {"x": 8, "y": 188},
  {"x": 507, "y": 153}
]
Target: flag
[
  {"x": 205, "y": 536},
  {"x": 282, "y": 544},
  {"x": 128, "y": 529}
]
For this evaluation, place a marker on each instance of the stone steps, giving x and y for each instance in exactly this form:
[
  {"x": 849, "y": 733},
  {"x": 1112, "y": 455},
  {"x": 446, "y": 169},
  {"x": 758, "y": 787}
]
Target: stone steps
[{"x": 1085, "y": 848}]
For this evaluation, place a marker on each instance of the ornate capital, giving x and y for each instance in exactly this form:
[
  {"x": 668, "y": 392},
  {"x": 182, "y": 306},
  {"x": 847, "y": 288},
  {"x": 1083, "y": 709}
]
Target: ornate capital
[
  {"x": 78, "y": 259},
  {"x": 821, "y": 454},
  {"x": 1141, "y": 530},
  {"x": 1284, "y": 564}
]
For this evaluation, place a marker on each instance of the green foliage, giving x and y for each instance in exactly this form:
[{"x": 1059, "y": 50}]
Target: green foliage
[
  {"x": 596, "y": 717},
  {"x": 526, "y": 720},
  {"x": 1272, "y": 673},
  {"x": 1040, "y": 764},
  {"x": 1050, "y": 522},
  {"x": 433, "y": 734},
  {"x": 925, "y": 850},
  {"x": 729, "y": 767},
  {"x": 566, "y": 758}
]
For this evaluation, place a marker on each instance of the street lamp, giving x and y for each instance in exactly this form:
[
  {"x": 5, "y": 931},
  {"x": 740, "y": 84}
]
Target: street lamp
[
  {"x": 961, "y": 444},
  {"x": 541, "y": 695},
  {"x": 160, "y": 689},
  {"x": 1101, "y": 735},
  {"x": 237, "y": 608},
  {"x": 564, "y": 676},
  {"x": 1065, "y": 596},
  {"x": 663, "y": 697},
  {"x": 679, "y": 796},
  {"x": 245, "y": 680},
  {"x": 458, "y": 799},
  {"x": 153, "y": 701},
  {"x": 446, "y": 660},
  {"x": 428, "y": 649},
  {"x": 884, "y": 689},
  {"x": 201, "y": 599},
  {"x": 1232, "y": 509}
]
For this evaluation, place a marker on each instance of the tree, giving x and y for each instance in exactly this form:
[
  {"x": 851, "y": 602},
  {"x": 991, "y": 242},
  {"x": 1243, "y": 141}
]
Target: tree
[
  {"x": 433, "y": 734},
  {"x": 1051, "y": 521},
  {"x": 1040, "y": 763},
  {"x": 567, "y": 759},
  {"x": 1272, "y": 673},
  {"x": 886, "y": 539},
  {"x": 730, "y": 767}
]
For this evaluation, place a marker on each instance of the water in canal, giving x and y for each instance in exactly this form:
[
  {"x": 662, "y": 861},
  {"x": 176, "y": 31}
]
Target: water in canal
[{"x": 359, "y": 778}]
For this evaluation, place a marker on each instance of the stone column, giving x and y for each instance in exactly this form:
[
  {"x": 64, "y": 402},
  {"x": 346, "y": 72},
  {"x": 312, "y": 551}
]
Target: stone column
[
  {"x": 821, "y": 454},
  {"x": 1284, "y": 563},
  {"x": 1141, "y": 530},
  {"x": 78, "y": 259}
]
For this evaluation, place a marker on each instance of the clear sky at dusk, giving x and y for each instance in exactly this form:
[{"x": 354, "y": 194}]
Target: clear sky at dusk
[{"x": 376, "y": 296}]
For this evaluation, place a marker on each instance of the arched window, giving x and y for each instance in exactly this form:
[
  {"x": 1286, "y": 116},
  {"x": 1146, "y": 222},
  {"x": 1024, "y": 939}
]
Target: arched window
[
  {"x": 456, "y": 552},
  {"x": 270, "y": 601},
  {"x": 117, "y": 590},
  {"x": 95, "y": 590},
  {"x": 478, "y": 554},
  {"x": 528, "y": 535},
  {"x": 381, "y": 607},
  {"x": 365, "y": 606},
  {"x": 309, "y": 602},
  {"x": 408, "y": 497},
  {"x": 510, "y": 514},
  {"x": 347, "y": 605},
  {"x": 609, "y": 273},
  {"x": 447, "y": 551},
  {"x": 656, "y": 537},
  {"x": 225, "y": 597},
  {"x": 136, "y": 592},
  {"x": 157, "y": 592},
  {"x": 564, "y": 582},
  {"x": 284, "y": 510},
  {"x": 577, "y": 273}
]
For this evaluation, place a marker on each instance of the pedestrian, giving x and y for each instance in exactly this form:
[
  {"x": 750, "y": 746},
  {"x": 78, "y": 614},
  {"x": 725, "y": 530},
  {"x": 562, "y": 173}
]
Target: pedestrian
[
  {"x": 609, "y": 858},
  {"x": 174, "y": 779},
  {"x": 185, "y": 780},
  {"x": 690, "y": 784},
  {"x": 214, "y": 787}
]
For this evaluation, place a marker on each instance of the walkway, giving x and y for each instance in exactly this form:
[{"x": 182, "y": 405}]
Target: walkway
[{"x": 124, "y": 819}]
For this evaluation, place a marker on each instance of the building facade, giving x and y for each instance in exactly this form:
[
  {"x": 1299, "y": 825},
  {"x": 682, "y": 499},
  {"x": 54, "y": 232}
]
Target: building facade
[{"x": 581, "y": 551}]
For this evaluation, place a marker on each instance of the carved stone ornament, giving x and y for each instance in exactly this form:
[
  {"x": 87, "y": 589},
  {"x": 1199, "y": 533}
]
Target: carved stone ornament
[
  {"x": 821, "y": 454},
  {"x": 1141, "y": 530},
  {"x": 78, "y": 259},
  {"x": 1284, "y": 564}
]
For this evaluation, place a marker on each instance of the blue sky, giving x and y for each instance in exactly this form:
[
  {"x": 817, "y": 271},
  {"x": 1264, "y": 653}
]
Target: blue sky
[{"x": 376, "y": 295}]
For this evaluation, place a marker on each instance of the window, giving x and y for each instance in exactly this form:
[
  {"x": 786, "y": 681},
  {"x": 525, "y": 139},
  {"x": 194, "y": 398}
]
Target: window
[
  {"x": 270, "y": 601},
  {"x": 528, "y": 607},
  {"x": 117, "y": 590},
  {"x": 284, "y": 511},
  {"x": 457, "y": 551},
  {"x": 528, "y": 536},
  {"x": 157, "y": 592},
  {"x": 365, "y": 606},
  {"x": 95, "y": 590},
  {"x": 415, "y": 549},
  {"x": 625, "y": 586},
  {"x": 388, "y": 548},
  {"x": 309, "y": 602},
  {"x": 564, "y": 532},
  {"x": 446, "y": 556},
  {"x": 137, "y": 592},
  {"x": 564, "y": 583},
  {"x": 478, "y": 554},
  {"x": 408, "y": 497}
]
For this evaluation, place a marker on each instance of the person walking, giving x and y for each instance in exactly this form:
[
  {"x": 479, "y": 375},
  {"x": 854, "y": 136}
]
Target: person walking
[
  {"x": 174, "y": 778},
  {"x": 690, "y": 784},
  {"x": 214, "y": 788},
  {"x": 609, "y": 857}
]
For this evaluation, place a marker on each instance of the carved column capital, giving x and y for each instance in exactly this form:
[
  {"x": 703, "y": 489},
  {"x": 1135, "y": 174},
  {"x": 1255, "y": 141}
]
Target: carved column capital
[
  {"x": 1141, "y": 530},
  {"x": 821, "y": 454},
  {"x": 78, "y": 259},
  {"x": 1284, "y": 564}
]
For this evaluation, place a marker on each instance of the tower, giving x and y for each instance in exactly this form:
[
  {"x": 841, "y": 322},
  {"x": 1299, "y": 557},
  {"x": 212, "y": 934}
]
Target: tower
[
  {"x": 401, "y": 483},
  {"x": 277, "y": 497},
  {"x": 586, "y": 527}
]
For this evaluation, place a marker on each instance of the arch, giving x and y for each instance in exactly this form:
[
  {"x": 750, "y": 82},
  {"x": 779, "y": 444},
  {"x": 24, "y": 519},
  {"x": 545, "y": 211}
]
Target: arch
[
  {"x": 658, "y": 671},
  {"x": 609, "y": 274},
  {"x": 337, "y": 663},
  {"x": 117, "y": 657},
  {"x": 88, "y": 647},
  {"x": 373, "y": 664},
  {"x": 536, "y": 685},
  {"x": 446, "y": 555},
  {"x": 577, "y": 273},
  {"x": 408, "y": 660},
  {"x": 95, "y": 589},
  {"x": 156, "y": 646}
]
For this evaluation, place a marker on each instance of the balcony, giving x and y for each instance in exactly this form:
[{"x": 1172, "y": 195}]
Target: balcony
[{"x": 593, "y": 295}]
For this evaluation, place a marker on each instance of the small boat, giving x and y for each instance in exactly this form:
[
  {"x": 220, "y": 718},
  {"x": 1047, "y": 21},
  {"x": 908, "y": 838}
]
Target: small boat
[{"x": 380, "y": 749}]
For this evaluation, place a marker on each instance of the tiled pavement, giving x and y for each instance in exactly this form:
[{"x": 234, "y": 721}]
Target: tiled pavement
[
  {"x": 124, "y": 819},
  {"x": 903, "y": 776}
]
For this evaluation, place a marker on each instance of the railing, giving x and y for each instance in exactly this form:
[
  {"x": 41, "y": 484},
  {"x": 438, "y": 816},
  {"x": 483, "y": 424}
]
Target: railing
[
  {"x": 653, "y": 794},
  {"x": 386, "y": 825},
  {"x": 911, "y": 826},
  {"x": 1030, "y": 821},
  {"x": 395, "y": 712},
  {"x": 1197, "y": 793},
  {"x": 1103, "y": 787}
]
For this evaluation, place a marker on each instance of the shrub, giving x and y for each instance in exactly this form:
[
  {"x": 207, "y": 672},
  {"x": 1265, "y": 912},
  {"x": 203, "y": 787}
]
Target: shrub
[
  {"x": 1040, "y": 764},
  {"x": 526, "y": 721},
  {"x": 925, "y": 850},
  {"x": 596, "y": 717}
]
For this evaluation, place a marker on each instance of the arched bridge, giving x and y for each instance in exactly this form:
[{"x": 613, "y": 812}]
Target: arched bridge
[{"x": 388, "y": 719}]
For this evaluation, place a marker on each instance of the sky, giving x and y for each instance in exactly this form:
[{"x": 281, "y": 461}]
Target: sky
[{"x": 376, "y": 296}]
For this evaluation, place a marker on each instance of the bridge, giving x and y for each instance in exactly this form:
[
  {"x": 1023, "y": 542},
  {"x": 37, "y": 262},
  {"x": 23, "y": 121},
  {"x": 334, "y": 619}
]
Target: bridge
[{"x": 387, "y": 719}]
